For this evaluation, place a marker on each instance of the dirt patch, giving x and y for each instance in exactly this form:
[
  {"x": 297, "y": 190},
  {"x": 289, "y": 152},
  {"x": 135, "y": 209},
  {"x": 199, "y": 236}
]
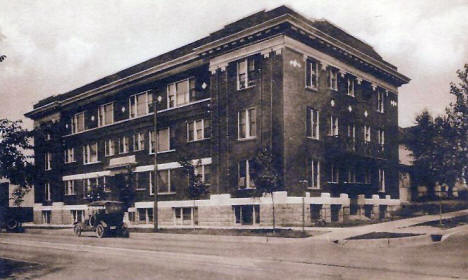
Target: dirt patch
[
  {"x": 9, "y": 268},
  {"x": 382, "y": 235}
]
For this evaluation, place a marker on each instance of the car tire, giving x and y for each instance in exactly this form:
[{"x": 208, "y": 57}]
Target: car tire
[
  {"x": 12, "y": 225},
  {"x": 100, "y": 231},
  {"x": 77, "y": 230}
]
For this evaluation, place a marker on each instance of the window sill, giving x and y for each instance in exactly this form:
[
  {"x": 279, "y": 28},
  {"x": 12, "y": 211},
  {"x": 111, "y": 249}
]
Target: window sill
[
  {"x": 198, "y": 140},
  {"x": 312, "y": 138},
  {"x": 313, "y": 189},
  {"x": 164, "y": 152},
  {"x": 380, "y": 112},
  {"x": 73, "y": 194},
  {"x": 90, "y": 163},
  {"x": 353, "y": 96},
  {"x": 246, "y": 139},
  {"x": 123, "y": 153},
  {"x": 314, "y": 89},
  {"x": 70, "y": 162},
  {"x": 164, "y": 193},
  {"x": 332, "y": 183},
  {"x": 139, "y": 190},
  {"x": 246, "y": 88},
  {"x": 245, "y": 189}
]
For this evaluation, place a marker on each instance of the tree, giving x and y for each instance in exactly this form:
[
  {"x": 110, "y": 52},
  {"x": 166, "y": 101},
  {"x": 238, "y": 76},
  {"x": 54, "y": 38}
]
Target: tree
[
  {"x": 439, "y": 145},
  {"x": 266, "y": 177},
  {"x": 197, "y": 187},
  {"x": 15, "y": 165},
  {"x": 457, "y": 121}
]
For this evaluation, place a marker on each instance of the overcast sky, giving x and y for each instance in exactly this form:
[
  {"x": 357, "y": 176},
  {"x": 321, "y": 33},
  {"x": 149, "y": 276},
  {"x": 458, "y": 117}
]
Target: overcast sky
[{"x": 55, "y": 46}]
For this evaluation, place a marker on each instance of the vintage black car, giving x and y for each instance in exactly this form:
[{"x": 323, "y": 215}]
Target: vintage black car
[{"x": 105, "y": 219}]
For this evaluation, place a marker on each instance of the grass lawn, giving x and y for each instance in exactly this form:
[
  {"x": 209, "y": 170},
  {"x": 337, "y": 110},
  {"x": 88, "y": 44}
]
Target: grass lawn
[
  {"x": 381, "y": 235},
  {"x": 286, "y": 233},
  {"x": 447, "y": 223}
]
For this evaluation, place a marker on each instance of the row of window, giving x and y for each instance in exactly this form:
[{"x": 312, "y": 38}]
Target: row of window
[
  {"x": 196, "y": 130},
  {"x": 312, "y": 81},
  {"x": 313, "y": 128},
  {"x": 178, "y": 94},
  {"x": 142, "y": 181}
]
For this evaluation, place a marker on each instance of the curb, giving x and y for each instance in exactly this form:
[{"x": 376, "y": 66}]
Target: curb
[{"x": 424, "y": 239}]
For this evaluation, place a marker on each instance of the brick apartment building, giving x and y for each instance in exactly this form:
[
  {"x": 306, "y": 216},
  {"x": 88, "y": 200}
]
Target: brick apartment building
[{"x": 322, "y": 100}]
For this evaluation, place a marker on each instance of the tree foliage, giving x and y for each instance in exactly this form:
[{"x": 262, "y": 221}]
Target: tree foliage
[
  {"x": 266, "y": 176},
  {"x": 15, "y": 164},
  {"x": 196, "y": 187},
  {"x": 439, "y": 145}
]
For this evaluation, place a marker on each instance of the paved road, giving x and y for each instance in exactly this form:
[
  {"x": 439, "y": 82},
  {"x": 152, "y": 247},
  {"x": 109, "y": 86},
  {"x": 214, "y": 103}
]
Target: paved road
[{"x": 171, "y": 256}]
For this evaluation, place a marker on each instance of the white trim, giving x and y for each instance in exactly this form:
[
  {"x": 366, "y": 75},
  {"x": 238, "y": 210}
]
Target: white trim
[
  {"x": 87, "y": 175},
  {"x": 170, "y": 165}
]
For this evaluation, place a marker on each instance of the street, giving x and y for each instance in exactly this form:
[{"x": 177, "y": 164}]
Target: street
[{"x": 60, "y": 255}]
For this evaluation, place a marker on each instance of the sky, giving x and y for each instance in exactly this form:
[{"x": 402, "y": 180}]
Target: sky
[{"x": 55, "y": 46}]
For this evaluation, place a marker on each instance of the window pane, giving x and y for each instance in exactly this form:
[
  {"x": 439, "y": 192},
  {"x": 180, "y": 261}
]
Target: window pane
[
  {"x": 163, "y": 140},
  {"x": 252, "y": 123},
  {"x": 141, "y": 104},
  {"x": 199, "y": 125},
  {"x": 93, "y": 152},
  {"x": 242, "y": 125},
  {"x": 182, "y": 92},
  {"x": 207, "y": 130},
  {"x": 190, "y": 131}
]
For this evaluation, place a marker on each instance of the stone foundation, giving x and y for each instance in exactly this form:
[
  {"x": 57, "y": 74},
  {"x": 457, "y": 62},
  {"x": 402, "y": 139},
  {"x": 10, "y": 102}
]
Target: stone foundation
[{"x": 220, "y": 210}]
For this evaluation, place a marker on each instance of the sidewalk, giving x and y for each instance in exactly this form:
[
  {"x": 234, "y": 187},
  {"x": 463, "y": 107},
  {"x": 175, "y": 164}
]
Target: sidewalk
[{"x": 392, "y": 226}]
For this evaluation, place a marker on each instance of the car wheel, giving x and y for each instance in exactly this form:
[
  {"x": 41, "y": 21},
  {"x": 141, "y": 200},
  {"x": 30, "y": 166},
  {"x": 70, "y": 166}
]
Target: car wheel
[
  {"x": 77, "y": 230},
  {"x": 124, "y": 233},
  {"x": 12, "y": 225},
  {"x": 100, "y": 231}
]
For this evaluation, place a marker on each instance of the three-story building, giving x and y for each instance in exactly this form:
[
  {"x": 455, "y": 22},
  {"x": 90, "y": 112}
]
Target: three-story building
[{"x": 323, "y": 101}]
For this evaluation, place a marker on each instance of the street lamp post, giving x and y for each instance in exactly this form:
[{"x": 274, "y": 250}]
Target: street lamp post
[{"x": 155, "y": 173}]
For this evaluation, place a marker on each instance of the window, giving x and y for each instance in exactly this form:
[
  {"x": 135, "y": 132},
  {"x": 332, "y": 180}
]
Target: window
[
  {"x": 245, "y": 175},
  {"x": 381, "y": 180},
  {"x": 109, "y": 147},
  {"x": 140, "y": 181},
  {"x": 48, "y": 136},
  {"x": 46, "y": 216},
  {"x": 48, "y": 161},
  {"x": 90, "y": 153},
  {"x": 351, "y": 175},
  {"x": 247, "y": 214},
  {"x": 333, "y": 126},
  {"x": 178, "y": 93},
  {"x": 77, "y": 216},
  {"x": 334, "y": 174},
  {"x": 247, "y": 124},
  {"x": 381, "y": 138},
  {"x": 102, "y": 182},
  {"x": 351, "y": 131},
  {"x": 69, "y": 155},
  {"x": 140, "y": 104},
  {"x": 198, "y": 130},
  {"x": 350, "y": 86},
  {"x": 164, "y": 140},
  {"x": 145, "y": 215},
  {"x": 315, "y": 174},
  {"x": 164, "y": 182},
  {"x": 139, "y": 141},
  {"x": 185, "y": 216},
  {"x": 367, "y": 176},
  {"x": 367, "y": 134},
  {"x": 205, "y": 173},
  {"x": 380, "y": 101},
  {"x": 332, "y": 78},
  {"x": 69, "y": 187},
  {"x": 47, "y": 195},
  {"x": 123, "y": 144},
  {"x": 106, "y": 114},
  {"x": 77, "y": 123},
  {"x": 246, "y": 73},
  {"x": 313, "y": 124},
  {"x": 312, "y": 74}
]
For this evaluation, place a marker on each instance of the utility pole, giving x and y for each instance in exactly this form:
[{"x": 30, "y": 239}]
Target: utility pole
[{"x": 155, "y": 174}]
